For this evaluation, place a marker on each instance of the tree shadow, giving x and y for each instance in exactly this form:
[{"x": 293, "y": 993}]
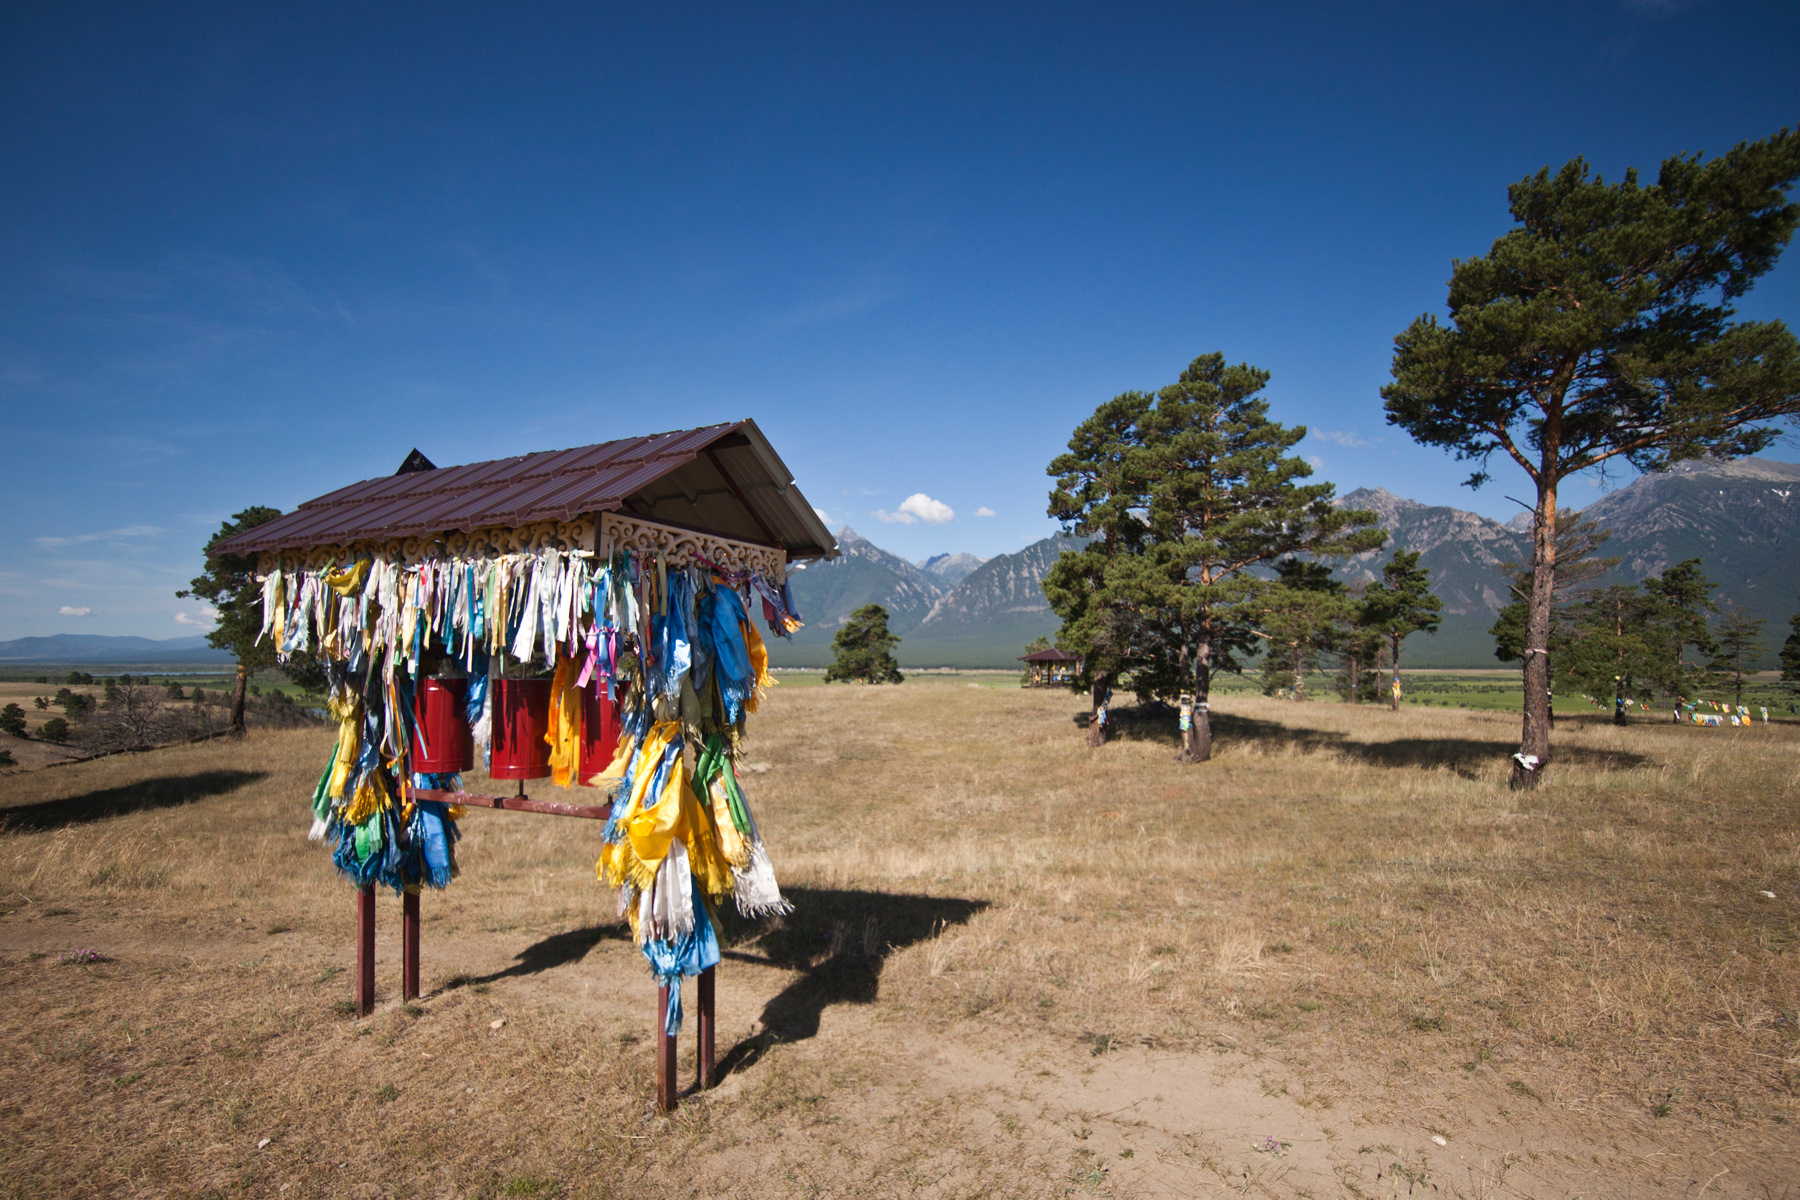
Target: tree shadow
[
  {"x": 557, "y": 950},
  {"x": 166, "y": 791},
  {"x": 1468, "y": 757},
  {"x": 839, "y": 940}
]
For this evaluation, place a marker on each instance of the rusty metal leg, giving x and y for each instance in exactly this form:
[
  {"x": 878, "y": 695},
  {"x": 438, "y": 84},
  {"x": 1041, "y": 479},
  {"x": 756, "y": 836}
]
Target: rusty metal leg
[
  {"x": 703, "y": 1036},
  {"x": 665, "y": 1051},
  {"x": 409, "y": 946},
  {"x": 365, "y": 951}
]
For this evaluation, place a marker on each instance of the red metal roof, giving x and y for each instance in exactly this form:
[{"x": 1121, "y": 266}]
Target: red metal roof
[{"x": 561, "y": 485}]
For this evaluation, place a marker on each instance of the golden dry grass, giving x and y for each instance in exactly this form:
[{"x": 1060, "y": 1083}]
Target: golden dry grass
[{"x": 1346, "y": 913}]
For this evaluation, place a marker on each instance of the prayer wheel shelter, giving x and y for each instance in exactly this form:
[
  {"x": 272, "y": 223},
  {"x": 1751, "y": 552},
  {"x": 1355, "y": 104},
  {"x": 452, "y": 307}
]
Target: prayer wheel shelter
[
  {"x": 586, "y": 617},
  {"x": 1050, "y": 668}
]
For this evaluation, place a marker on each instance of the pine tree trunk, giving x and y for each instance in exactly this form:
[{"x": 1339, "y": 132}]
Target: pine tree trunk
[
  {"x": 1196, "y": 739},
  {"x": 1534, "y": 737},
  {"x": 1355, "y": 680},
  {"x": 237, "y": 701},
  {"x": 1394, "y": 692},
  {"x": 1096, "y": 723}
]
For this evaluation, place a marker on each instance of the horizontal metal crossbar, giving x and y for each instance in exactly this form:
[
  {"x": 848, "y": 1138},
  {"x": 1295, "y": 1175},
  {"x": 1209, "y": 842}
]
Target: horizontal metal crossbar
[{"x": 519, "y": 803}]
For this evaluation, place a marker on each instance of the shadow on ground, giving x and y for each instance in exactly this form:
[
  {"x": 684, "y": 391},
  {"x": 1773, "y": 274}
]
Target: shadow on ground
[
  {"x": 1467, "y": 757},
  {"x": 165, "y": 792},
  {"x": 839, "y": 940},
  {"x": 557, "y": 950}
]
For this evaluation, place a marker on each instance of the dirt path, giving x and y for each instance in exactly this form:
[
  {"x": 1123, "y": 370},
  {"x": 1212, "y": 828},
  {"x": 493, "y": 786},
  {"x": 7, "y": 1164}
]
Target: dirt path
[{"x": 874, "y": 1102}]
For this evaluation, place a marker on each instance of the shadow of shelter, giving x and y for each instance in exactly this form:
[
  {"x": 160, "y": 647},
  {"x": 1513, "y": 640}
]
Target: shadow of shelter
[{"x": 839, "y": 940}]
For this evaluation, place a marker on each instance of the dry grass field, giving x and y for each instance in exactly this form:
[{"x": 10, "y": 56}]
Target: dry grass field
[{"x": 1340, "y": 960}]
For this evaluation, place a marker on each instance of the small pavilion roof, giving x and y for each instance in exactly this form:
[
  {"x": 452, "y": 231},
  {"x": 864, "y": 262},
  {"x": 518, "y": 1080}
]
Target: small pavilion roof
[
  {"x": 1052, "y": 655},
  {"x": 723, "y": 479}
]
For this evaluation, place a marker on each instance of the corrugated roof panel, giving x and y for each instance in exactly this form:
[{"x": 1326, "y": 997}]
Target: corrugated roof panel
[{"x": 559, "y": 484}]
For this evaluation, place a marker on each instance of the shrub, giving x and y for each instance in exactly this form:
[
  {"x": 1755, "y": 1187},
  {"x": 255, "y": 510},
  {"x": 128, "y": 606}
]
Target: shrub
[
  {"x": 55, "y": 730},
  {"x": 6, "y": 759}
]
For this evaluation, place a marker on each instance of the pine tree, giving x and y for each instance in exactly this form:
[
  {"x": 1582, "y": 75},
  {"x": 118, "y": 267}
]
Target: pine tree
[
  {"x": 1738, "y": 635},
  {"x": 229, "y": 584},
  {"x": 1191, "y": 489},
  {"x": 863, "y": 650},
  {"x": 1601, "y": 328},
  {"x": 1298, "y": 618},
  {"x": 1611, "y": 648},
  {"x": 1790, "y": 652},
  {"x": 1677, "y": 605},
  {"x": 1399, "y": 605}
]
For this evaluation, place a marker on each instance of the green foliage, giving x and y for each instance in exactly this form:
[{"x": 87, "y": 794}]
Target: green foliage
[
  {"x": 1299, "y": 616},
  {"x": 174, "y": 690},
  {"x": 1401, "y": 603},
  {"x": 6, "y": 759},
  {"x": 42, "y": 702},
  {"x": 1738, "y": 638},
  {"x": 1609, "y": 648},
  {"x": 12, "y": 720},
  {"x": 1790, "y": 652},
  {"x": 1677, "y": 605},
  {"x": 1183, "y": 494},
  {"x": 1600, "y": 327},
  {"x": 77, "y": 677},
  {"x": 229, "y": 585},
  {"x": 54, "y": 730},
  {"x": 863, "y": 650}
]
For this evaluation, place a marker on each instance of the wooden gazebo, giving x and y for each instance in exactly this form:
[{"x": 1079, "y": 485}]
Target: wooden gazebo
[
  {"x": 439, "y": 600},
  {"x": 1050, "y": 668}
]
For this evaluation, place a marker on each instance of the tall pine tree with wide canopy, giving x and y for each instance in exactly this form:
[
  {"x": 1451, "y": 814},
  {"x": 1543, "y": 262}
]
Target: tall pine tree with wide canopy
[
  {"x": 1601, "y": 328},
  {"x": 1193, "y": 487}
]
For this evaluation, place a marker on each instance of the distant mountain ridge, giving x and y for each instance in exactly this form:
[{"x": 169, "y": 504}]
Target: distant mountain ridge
[
  {"x": 951, "y": 568},
  {"x": 1742, "y": 519},
  {"x": 98, "y": 648}
]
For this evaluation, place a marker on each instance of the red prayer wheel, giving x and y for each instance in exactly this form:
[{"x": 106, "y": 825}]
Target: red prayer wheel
[
  {"x": 441, "y": 740},
  {"x": 521, "y": 717},
  {"x": 599, "y": 730}
]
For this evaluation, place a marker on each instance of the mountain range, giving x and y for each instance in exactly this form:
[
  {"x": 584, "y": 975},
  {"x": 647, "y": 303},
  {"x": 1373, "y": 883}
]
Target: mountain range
[
  {"x": 1741, "y": 519},
  {"x": 73, "y": 648}
]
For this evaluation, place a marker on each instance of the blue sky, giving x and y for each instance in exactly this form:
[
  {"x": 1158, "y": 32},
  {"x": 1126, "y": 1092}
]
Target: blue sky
[{"x": 252, "y": 255}]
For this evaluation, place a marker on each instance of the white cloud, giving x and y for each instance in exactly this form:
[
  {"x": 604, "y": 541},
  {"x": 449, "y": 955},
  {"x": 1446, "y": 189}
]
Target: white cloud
[
  {"x": 206, "y": 617},
  {"x": 1318, "y": 464},
  {"x": 822, "y": 514},
  {"x": 984, "y": 511},
  {"x": 918, "y": 507},
  {"x": 129, "y": 531},
  {"x": 69, "y": 610},
  {"x": 1342, "y": 437}
]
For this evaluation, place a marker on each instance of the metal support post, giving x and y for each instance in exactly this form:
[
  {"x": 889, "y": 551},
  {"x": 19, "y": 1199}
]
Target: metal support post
[{"x": 365, "y": 951}]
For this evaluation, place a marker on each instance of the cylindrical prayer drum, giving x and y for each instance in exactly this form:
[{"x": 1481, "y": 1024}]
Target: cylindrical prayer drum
[
  {"x": 599, "y": 730},
  {"x": 441, "y": 740},
  {"x": 521, "y": 717}
]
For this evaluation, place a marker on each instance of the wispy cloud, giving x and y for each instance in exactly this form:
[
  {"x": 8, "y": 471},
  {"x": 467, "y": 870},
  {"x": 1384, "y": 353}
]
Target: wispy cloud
[
  {"x": 1343, "y": 437},
  {"x": 69, "y": 610},
  {"x": 111, "y": 535},
  {"x": 822, "y": 514},
  {"x": 984, "y": 511},
  {"x": 206, "y": 616},
  {"x": 918, "y": 507},
  {"x": 1318, "y": 464}
]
